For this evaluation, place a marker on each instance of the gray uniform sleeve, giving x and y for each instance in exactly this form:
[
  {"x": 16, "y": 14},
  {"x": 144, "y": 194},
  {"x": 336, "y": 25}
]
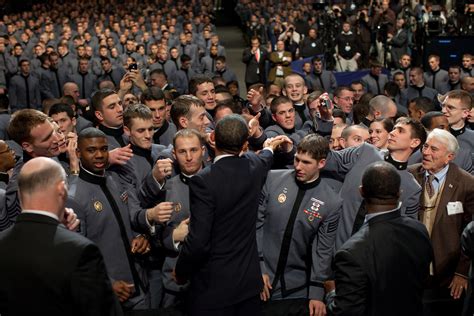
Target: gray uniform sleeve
[{"x": 322, "y": 253}]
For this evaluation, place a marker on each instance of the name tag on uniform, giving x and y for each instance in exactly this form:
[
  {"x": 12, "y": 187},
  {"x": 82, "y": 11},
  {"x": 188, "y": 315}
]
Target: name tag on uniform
[{"x": 455, "y": 208}]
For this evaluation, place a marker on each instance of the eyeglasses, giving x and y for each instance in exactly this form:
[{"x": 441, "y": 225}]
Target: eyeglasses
[
  {"x": 347, "y": 98},
  {"x": 450, "y": 107}
]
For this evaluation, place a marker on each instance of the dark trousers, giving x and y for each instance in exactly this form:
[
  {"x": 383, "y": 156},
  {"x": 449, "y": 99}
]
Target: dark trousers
[
  {"x": 250, "y": 307},
  {"x": 290, "y": 307},
  {"x": 439, "y": 302}
]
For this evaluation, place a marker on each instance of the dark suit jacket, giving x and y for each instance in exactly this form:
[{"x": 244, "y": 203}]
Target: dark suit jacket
[
  {"x": 251, "y": 75},
  {"x": 46, "y": 269},
  {"x": 447, "y": 229},
  {"x": 381, "y": 269},
  {"x": 219, "y": 255}
]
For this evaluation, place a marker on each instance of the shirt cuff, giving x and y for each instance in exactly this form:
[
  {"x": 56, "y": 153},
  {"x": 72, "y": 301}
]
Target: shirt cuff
[{"x": 268, "y": 148}]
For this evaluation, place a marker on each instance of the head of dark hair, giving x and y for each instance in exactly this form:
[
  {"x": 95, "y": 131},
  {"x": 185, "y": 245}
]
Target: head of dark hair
[
  {"x": 60, "y": 108},
  {"x": 391, "y": 88},
  {"x": 231, "y": 134},
  {"x": 90, "y": 132},
  {"x": 185, "y": 58},
  {"x": 277, "y": 101},
  {"x": 314, "y": 145},
  {"x": 339, "y": 113},
  {"x": 338, "y": 91},
  {"x": 417, "y": 129},
  {"x": 182, "y": 107},
  {"x": 427, "y": 119},
  {"x": 424, "y": 104},
  {"x": 99, "y": 96},
  {"x": 159, "y": 72},
  {"x": 152, "y": 94},
  {"x": 380, "y": 182},
  {"x": 222, "y": 59},
  {"x": 387, "y": 123},
  {"x": 136, "y": 111},
  {"x": 196, "y": 81}
]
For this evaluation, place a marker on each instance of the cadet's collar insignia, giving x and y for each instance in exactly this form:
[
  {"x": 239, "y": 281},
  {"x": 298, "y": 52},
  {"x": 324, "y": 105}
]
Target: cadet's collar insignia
[
  {"x": 397, "y": 164},
  {"x": 282, "y": 197},
  {"x": 124, "y": 197},
  {"x": 98, "y": 206},
  {"x": 184, "y": 178},
  {"x": 457, "y": 132},
  {"x": 177, "y": 206}
]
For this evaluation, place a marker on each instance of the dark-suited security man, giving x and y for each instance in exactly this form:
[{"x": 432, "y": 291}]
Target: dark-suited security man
[
  {"x": 105, "y": 219},
  {"x": 219, "y": 255},
  {"x": 381, "y": 269},
  {"x": 61, "y": 272},
  {"x": 303, "y": 205}
]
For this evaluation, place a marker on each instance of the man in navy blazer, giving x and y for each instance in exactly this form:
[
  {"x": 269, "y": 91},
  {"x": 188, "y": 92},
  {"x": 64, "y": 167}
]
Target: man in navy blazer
[
  {"x": 219, "y": 255},
  {"x": 45, "y": 268},
  {"x": 381, "y": 269}
]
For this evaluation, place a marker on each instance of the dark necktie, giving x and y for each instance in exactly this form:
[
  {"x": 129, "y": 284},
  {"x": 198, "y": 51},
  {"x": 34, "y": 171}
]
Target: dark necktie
[
  {"x": 319, "y": 76},
  {"x": 83, "y": 90},
  {"x": 27, "y": 87},
  {"x": 162, "y": 63},
  {"x": 58, "y": 82},
  {"x": 429, "y": 185}
]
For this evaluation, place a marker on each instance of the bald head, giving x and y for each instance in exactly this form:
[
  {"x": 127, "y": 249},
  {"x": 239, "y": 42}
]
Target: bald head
[
  {"x": 39, "y": 178},
  {"x": 381, "y": 107},
  {"x": 71, "y": 89}
]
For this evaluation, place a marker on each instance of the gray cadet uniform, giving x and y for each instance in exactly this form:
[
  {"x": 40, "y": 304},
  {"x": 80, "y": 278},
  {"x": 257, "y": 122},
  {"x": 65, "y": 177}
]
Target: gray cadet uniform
[
  {"x": 4, "y": 122},
  {"x": 317, "y": 208},
  {"x": 165, "y": 134},
  {"x": 324, "y": 81},
  {"x": 465, "y": 139},
  {"x": 177, "y": 191},
  {"x": 348, "y": 165},
  {"x": 115, "y": 136},
  {"x": 374, "y": 84},
  {"x": 414, "y": 92},
  {"x": 102, "y": 207},
  {"x": 437, "y": 79},
  {"x": 24, "y": 93},
  {"x": 137, "y": 173}
]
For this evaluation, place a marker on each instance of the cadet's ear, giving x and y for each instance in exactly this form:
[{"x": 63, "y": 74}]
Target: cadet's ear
[
  {"x": 27, "y": 147},
  {"x": 321, "y": 164},
  {"x": 99, "y": 116},
  {"x": 126, "y": 130},
  {"x": 183, "y": 121}
]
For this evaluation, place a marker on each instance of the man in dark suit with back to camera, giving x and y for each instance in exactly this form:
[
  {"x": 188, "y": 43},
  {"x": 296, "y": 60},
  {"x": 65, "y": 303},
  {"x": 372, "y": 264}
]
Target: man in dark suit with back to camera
[
  {"x": 61, "y": 272},
  {"x": 380, "y": 270},
  {"x": 219, "y": 255}
]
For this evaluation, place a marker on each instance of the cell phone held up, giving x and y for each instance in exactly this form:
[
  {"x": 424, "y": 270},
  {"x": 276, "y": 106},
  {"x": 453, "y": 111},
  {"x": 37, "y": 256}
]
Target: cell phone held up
[{"x": 133, "y": 66}]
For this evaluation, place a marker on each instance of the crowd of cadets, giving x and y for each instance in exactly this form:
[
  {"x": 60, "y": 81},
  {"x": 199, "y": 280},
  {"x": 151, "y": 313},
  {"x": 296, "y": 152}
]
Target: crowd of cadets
[{"x": 130, "y": 139}]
